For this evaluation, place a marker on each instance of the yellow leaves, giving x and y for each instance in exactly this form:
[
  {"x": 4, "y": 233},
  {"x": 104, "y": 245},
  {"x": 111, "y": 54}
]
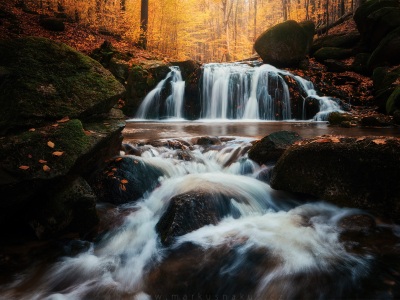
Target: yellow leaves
[
  {"x": 46, "y": 168},
  {"x": 57, "y": 153},
  {"x": 379, "y": 141},
  {"x": 63, "y": 120},
  {"x": 50, "y": 144},
  {"x": 24, "y": 168}
]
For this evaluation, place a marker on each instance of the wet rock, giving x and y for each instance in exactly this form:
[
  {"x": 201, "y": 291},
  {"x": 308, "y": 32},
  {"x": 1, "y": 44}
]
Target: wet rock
[
  {"x": 359, "y": 223},
  {"x": 270, "y": 148},
  {"x": 208, "y": 141},
  {"x": 125, "y": 179},
  {"x": 283, "y": 45},
  {"x": 34, "y": 94},
  {"x": 190, "y": 211},
  {"x": 337, "y": 118},
  {"x": 52, "y": 24},
  {"x": 352, "y": 172}
]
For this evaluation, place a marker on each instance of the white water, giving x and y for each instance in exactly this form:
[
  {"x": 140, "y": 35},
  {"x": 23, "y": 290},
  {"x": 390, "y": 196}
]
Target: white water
[
  {"x": 150, "y": 107},
  {"x": 302, "y": 239}
]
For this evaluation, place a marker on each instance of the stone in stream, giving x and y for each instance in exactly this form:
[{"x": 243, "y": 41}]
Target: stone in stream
[
  {"x": 270, "y": 148},
  {"x": 353, "y": 172}
]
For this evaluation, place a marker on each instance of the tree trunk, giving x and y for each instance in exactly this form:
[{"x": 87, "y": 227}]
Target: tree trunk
[{"x": 144, "y": 20}]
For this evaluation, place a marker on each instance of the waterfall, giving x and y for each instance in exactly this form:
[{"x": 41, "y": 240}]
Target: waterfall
[
  {"x": 153, "y": 107},
  {"x": 268, "y": 245}
]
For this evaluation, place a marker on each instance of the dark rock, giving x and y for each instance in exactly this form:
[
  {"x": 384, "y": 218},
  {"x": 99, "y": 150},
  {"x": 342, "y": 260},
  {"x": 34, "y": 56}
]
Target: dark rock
[
  {"x": 52, "y": 24},
  {"x": 343, "y": 40},
  {"x": 208, "y": 141},
  {"x": 332, "y": 53},
  {"x": 311, "y": 108},
  {"x": 283, "y": 45},
  {"x": 337, "y": 118},
  {"x": 352, "y": 172},
  {"x": 360, "y": 63},
  {"x": 357, "y": 223},
  {"x": 373, "y": 121},
  {"x": 189, "y": 212},
  {"x": 387, "y": 52},
  {"x": 335, "y": 66},
  {"x": 125, "y": 179},
  {"x": 381, "y": 23},
  {"x": 120, "y": 69},
  {"x": 396, "y": 117},
  {"x": 393, "y": 103},
  {"x": 309, "y": 28},
  {"x": 270, "y": 148},
  {"x": 44, "y": 85},
  {"x": 385, "y": 82}
]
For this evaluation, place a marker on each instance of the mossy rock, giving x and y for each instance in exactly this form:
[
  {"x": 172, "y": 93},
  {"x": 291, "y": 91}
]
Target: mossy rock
[
  {"x": 393, "y": 103},
  {"x": 337, "y": 118},
  {"x": 352, "y": 172},
  {"x": 381, "y": 23},
  {"x": 387, "y": 52},
  {"x": 283, "y": 45},
  {"x": 332, "y": 53},
  {"x": 47, "y": 81},
  {"x": 385, "y": 82},
  {"x": 337, "y": 41},
  {"x": 309, "y": 28}
]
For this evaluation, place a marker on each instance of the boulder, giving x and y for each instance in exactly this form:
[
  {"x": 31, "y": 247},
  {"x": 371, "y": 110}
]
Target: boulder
[
  {"x": 120, "y": 69},
  {"x": 332, "y": 53},
  {"x": 270, "y": 148},
  {"x": 58, "y": 127},
  {"x": 52, "y": 24},
  {"x": 387, "y": 52},
  {"x": 191, "y": 211},
  {"x": 337, "y": 118},
  {"x": 125, "y": 179},
  {"x": 342, "y": 40},
  {"x": 46, "y": 81},
  {"x": 385, "y": 82},
  {"x": 393, "y": 103},
  {"x": 360, "y": 62},
  {"x": 283, "y": 45},
  {"x": 353, "y": 172},
  {"x": 381, "y": 23}
]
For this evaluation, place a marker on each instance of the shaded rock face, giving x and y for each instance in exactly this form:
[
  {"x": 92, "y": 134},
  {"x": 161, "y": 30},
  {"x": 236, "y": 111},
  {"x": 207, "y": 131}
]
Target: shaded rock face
[
  {"x": 387, "y": 52},
  {"x": 125, "y": 179},
  {"x": 336, "y": 41},
  {"x": 385, "y": 81},
  {"x": 352, "y": 172},
  {"x": 43, "y": 84},
  {"x": 58, "y": 129},
  {"x": 52, "y": 24},
  {"x": 270, "y": 148},
  {"x": 191, "y": 211},
  {"x": 283, "y": 45}
]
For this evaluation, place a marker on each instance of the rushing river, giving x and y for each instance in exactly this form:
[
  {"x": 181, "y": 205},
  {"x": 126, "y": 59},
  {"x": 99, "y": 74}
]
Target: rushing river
[{"x": 265, "y": 245}]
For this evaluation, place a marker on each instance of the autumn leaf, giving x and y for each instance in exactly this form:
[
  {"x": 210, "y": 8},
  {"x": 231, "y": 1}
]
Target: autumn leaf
[
  {"x": 109, "y": 174},
  {"x": 32, "y": 129},
  {"x": 114, "y": 169},
  {"x": 50, "y": 144},
  {"x": 46, "y": 168},
  {"x": 135, "y": 161},
  {"x": 87, "y": 132},
  {"x": 24, "y": 167},
  {"x": 322, "y": 141},
  {"x": 63, "y": 120},
  {"x": 335, "y": 140},
  {"x": 42, "y": 161},
  {"x": 58, "y": 153},
  {"x": 55, "y": 125},
  {"x": 122, "y": 187},
  {"x": 118, "y": 159},
  {"x": 379, "y": 141},
  {"x": 124, "y": 181},
  {"x": 360, "y": 139}
]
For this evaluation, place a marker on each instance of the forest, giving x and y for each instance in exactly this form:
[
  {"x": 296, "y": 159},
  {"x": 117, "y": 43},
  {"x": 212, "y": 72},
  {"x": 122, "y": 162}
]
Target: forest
[{"x": 206, "y": 30}]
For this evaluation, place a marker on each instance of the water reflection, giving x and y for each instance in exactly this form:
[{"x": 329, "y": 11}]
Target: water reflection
[{"x": 157, "y": 130}]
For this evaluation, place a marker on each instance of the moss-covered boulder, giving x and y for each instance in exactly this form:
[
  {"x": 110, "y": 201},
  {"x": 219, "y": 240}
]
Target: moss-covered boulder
[
  {"x": 342, "y": 40},
  {"x": 270, "y": 148},
  {"x": 332, "y": 53},
  {"x": 46, "y": 81},
  {"x": 337, "y": 118},
  {"x": 353, "y": 172},
  {"x": 385, "y": 81},
  {"x": 387, "y": 52},
  {"x": 283, "y": 45},
  {"x": 393, "y": 102}
]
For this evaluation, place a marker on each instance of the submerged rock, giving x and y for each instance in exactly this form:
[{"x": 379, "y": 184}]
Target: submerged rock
[
  {"x": 270, "y": 148},
  {"x": 353, "y": 172}
]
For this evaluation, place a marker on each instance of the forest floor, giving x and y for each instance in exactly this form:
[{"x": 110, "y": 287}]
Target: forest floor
[{"x": 17, "y": 22}]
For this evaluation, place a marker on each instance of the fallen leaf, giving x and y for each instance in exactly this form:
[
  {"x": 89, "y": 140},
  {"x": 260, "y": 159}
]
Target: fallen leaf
[
  {"x": 24, "y": 167},
  {"x": 114, "y": 169},
  {"x": 87, "y": 132},
  {"x": 46, "y": 168},
  {"x": 124, "y": 181},
  {"x": 110, "y": 174},
  {"x": 32, "y": 129},
  {"x": 335, "y": 140},
  {"x": 30, "y": 155},
  {"x": 42, "y": 161},
  {"x": 63, "y": 120},
  {"x": 55, "y": 125},
  {"x": 135, "y": 161},
  {"x": 118, "y": 159},
  {"x": 322, "y": 141},
  {"x": 122, "y": 187},
  {"x": 50, "y": 144},
  {"x": 360, "y": 139},
  {"x": 58, "y": 153},
  {"x": 379, "y": 141}
]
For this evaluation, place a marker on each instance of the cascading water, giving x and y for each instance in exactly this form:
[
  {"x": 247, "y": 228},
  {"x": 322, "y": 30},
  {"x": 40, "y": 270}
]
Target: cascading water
[
  {"x": 152, "y": 106},
  {"x": 265, "y": 246}
]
